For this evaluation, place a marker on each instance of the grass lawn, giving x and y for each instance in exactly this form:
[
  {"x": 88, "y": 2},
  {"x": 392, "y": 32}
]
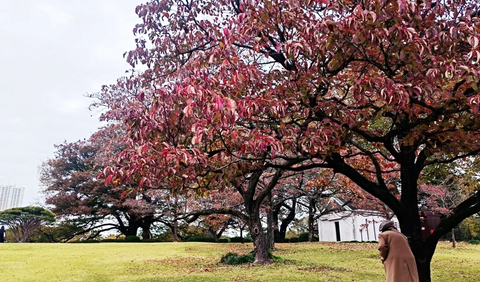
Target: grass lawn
[{"x": 149, "y": 262}]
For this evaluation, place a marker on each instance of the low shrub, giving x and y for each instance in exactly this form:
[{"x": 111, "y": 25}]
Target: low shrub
[
  {"x": 236, "y": 240},
  {"x": 474, "y": 242},
  {"x": 200, "y": 239},
  {"x": 235, "y": 259},
  {"x": 156, "y": 240},
  {"x": 132, "y": 239},
  {"x": 293, "y": 240},
  {"x": 85, "y": 241},
  {"x": 240, "y": 240},
  {"x": 223, "y": 240},
  {"x": 303, "y": 237},
  {"x": 110, "y": 240},
  {"x": 275, "y": 258}
]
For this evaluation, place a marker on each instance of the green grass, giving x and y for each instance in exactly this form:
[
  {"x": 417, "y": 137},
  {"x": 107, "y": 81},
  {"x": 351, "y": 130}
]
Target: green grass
[{"x": 151, "y": 262}]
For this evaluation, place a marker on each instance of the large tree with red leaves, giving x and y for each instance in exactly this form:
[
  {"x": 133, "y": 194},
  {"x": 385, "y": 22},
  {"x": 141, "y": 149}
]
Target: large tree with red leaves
[
  {"x": 74, "y": 191},
  {"x": 366, "y": 88},
  {"x": 167, "y": 154}
]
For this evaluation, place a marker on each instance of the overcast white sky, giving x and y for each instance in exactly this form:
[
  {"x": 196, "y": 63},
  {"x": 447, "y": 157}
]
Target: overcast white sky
[{"x": 52, "y": 53}]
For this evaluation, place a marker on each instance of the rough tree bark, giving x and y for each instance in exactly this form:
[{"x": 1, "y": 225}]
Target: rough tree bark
[{"x": 253, "y": 202}]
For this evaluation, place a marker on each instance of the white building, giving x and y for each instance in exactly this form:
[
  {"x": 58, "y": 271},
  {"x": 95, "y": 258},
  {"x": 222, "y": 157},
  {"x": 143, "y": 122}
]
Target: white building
[
  {"x": 350, "y": 224},
  {"x": 11, "y": 196}
]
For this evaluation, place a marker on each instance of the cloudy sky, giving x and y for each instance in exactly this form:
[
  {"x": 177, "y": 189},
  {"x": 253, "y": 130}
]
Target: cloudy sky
[{"x": 53, "y": 52}]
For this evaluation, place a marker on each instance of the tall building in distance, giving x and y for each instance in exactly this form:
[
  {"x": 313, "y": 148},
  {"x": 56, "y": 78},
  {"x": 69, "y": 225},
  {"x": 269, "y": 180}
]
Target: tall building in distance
[{"x": 11, "y": 196}]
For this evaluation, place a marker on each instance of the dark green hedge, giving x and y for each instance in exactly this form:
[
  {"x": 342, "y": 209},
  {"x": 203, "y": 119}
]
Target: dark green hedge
[
  {"x": 293, "y": 240},
  {"x": 132, "y": 239},
  {"x": 200, "y": 239},
  {"x": 85, "y": 241},
  {"x": 303, "y": 237},
  {"x": 234, "y": 258},
  {"x": 240, "y": 240}
]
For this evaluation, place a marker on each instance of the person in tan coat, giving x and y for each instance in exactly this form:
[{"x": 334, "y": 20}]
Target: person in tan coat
[{"x": 396, "y": 256}]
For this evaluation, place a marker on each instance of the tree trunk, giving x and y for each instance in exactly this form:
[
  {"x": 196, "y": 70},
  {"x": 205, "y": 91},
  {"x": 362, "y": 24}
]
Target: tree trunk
[
  {"x": 270, "y": 223},
  {"x": 132, "y": 231},
  {"x": 409, "y": 217},
  {"x": 218, "y": 235},
  {"x": 146, "y": 224},
  {"x": 252, "y": 207},
  {"x": 281, "y": 234},
  {"x": 241, "y": 232},
  {"x": 146, "y": 234},
  {"x": 175, "y": 230},
  {"x": 276, "y": 232},
  {"x": 280, "y": 237},
  {"x": 311, "y": 219},
  {"x": 422, "y": 250},
  {"x": 260, "y": 243},
  {"x": 175, "y": 220},
  {"x": 132, "y": 228},
  {"x": 423, "y": 267},
  {"x": 454, "y": 243}
]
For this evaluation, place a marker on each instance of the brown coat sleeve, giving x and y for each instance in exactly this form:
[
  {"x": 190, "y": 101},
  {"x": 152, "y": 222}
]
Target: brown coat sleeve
[{"x": 382, "y": 247}]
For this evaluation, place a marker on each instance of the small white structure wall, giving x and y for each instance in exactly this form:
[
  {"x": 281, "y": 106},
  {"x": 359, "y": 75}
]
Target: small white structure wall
[{"x": 355, "y": 225}]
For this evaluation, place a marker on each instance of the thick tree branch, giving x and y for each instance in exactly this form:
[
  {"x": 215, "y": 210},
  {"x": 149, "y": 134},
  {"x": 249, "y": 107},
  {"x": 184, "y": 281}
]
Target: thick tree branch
[
  {"x": 269, "y": 187},
  {"x": 191, "y": 217},
  {"x": 338, "y": 164},
  {"x": 465, "y": 209}
]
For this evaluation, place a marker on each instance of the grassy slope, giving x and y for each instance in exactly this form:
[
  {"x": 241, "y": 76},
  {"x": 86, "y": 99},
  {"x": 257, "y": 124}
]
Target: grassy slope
[{"x": 140, "y": 262}]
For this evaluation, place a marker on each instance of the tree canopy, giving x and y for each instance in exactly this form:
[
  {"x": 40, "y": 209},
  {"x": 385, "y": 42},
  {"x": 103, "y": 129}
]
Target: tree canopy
[
  {"x": 23, "y": 221},
  {"x": 375, "y": 90},
  {"x": 77, "y": 194}
]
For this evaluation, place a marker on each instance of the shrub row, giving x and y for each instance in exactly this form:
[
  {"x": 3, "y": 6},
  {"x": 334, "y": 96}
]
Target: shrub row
[
  {"x": 200, "y": 239},
  {"x": 132, "y": 239},
  {"x": 303, "y": 237},
  {"x": 222, "y": 240},
  {"x": 240, "y": 240},
  {"x": 85, "y": 241},
  {"x": 191, "y": 239}
]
